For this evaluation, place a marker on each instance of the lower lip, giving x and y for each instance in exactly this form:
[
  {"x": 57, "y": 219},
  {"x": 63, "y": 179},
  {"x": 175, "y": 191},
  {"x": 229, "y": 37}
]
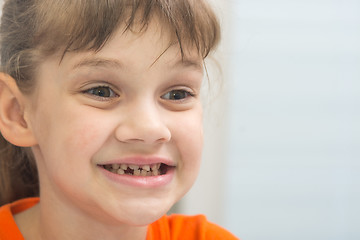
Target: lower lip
[{"x": 140, "y": 181}]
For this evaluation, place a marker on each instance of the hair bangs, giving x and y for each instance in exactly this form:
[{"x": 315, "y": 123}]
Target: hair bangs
[{"x": 88, "y": 24}]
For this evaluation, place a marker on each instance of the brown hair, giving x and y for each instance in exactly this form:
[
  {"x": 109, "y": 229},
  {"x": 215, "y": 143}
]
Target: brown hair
[{"x": 34, "y": 29}]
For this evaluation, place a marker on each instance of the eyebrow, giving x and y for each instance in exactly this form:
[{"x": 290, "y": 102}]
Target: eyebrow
[
  {"x": 189, "y": 63},
  {"x": 182, "y": 62},
  {"x": 114, "y": 63},
  {"x": 98, "y": 62}
]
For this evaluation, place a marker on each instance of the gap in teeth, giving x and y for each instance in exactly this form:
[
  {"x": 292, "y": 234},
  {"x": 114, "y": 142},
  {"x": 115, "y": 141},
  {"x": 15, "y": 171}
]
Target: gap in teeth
[{"x": 136, "y": 170}]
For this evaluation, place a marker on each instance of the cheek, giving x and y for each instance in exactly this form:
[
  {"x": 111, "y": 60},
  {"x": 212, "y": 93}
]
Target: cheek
[
  {"x": 85, "y": 132},
  {"x": 189, "y": 138},
  {"x": 71, "y": 135},
  {"x": 84, "y": 135}
]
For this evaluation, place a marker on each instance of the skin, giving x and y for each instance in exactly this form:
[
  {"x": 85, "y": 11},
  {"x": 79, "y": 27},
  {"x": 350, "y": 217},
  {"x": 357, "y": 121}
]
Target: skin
[{"x": 76, "y": 130}]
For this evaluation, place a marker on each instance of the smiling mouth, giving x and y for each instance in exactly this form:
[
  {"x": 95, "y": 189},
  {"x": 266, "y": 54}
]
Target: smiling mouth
[{"x": 136, "y": 170}]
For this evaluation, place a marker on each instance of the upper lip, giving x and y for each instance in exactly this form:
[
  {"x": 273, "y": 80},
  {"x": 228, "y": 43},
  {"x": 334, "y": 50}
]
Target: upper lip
[{"x": 142, "y": 160}]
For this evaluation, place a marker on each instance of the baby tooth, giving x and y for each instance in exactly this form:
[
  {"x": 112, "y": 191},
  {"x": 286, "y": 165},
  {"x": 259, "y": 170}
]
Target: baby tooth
[
  {"x": 120, "y": 171},
  {"x": 155, "y": 172},
  {"x": 143, "y": 173},
  {"x": 146, "y": 167},
  {"x": 155, "y": 166},
  {"x": 137, "y": 172},
  {"x": 123, "y": 166},
  {"x": 115, "y": 166},
  {"x": 133, "y": 167}
]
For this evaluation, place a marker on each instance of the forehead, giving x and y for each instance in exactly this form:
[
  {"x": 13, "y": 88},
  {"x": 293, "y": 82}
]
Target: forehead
[{"x": 139, "y": 47}]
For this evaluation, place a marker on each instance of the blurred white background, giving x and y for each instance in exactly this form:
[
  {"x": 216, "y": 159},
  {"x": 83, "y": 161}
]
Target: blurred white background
[
  {"x": 282, "y": 152},
  {"x": 282, "y": 147}
]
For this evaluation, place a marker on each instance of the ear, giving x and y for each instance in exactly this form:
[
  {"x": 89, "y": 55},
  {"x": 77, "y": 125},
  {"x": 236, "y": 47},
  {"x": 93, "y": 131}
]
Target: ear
[{"x": 13, "y": 126}]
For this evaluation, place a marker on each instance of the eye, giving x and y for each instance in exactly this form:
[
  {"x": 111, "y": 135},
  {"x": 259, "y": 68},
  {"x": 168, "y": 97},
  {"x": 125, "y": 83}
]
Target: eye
[
  {"x": 102, "y": 92},
  {"x": 176, "y": 95}
]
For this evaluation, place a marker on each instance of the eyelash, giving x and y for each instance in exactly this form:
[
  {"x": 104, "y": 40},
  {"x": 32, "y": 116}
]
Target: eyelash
[
  {"x": 98, "y": 92},
  {"x": 173, "y": 95}
]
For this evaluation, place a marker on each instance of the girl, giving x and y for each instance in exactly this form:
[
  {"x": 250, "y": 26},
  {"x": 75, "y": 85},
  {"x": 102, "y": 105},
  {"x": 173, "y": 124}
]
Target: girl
[{"x": 100, "y": 117}]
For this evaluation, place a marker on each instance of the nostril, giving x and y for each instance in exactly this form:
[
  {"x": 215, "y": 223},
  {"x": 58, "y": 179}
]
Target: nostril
[
  {"x": 143, "y": 121},
  {"x": 134, "y": 133}
]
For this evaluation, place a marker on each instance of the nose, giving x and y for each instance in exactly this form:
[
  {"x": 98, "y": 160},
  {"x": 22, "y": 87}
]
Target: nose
[{"x": 144, "y": 123}]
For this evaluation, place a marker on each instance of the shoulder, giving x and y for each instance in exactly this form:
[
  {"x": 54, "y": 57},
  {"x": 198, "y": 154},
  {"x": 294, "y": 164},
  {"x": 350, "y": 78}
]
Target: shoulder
[
  {"x": 189, "y": 227},
  {"x": 8, "y": 227}
]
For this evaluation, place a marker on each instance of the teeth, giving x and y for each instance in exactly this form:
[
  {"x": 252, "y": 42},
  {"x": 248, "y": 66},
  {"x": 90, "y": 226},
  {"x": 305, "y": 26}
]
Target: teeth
[
  {"x": 155, "y": 172},
  {"x": 137, "y": 172},
  {"x": 145, "y": 170},
  {"x": 155, "y": 166},
  {"x": 146, "y": 167},
  {"x": 115, "y": 166},
  {"x": 124, "y": 166},
  {"x": 134, "y": 167}
]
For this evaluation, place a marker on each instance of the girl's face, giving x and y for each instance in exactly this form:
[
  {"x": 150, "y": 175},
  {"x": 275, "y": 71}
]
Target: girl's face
[{"x": 119, "y": 131}]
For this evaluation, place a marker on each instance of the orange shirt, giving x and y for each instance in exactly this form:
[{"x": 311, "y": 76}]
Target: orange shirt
[{"x": 174, "y": 227}]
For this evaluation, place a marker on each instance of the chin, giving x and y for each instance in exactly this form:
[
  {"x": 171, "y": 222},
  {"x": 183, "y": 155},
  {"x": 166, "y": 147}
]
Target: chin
[
  {"x": 144, "y": 218},
  {"x": 143, "y": 212}
]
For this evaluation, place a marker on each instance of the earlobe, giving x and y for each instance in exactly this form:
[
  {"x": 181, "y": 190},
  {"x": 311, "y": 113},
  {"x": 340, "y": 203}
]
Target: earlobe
[{"x": 13, "y": 126}]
